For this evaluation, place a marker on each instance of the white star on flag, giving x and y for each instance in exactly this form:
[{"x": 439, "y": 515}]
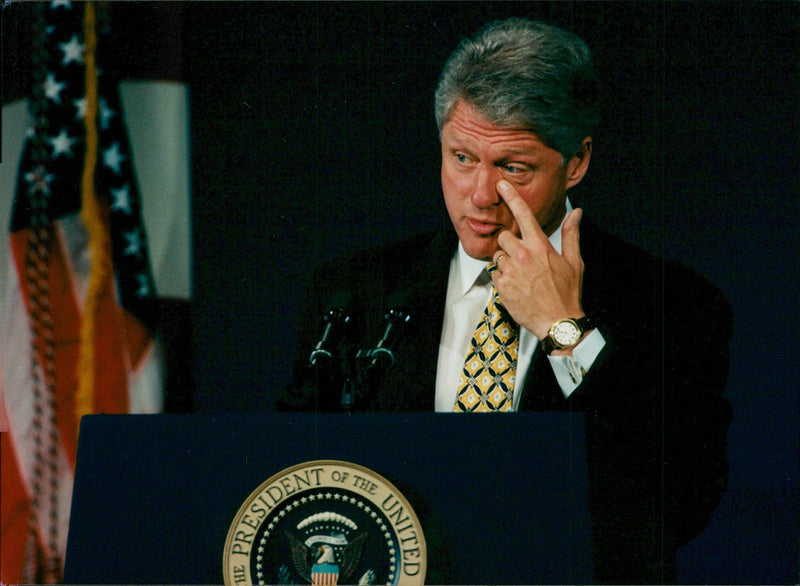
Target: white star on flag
[
  {"x": 80, "y": 108},
  {"x": 134, "y": 239},
  {"x": 144, "y": 286},
  {"x": 73, "y": 51},
  {"x": 112, "y": 158},
  {"x": 41, "y": 178},
  {"x": 106, "y": 114},
  {"x": 62, "y": 144},
  {"x": 121, "y": 199},
  {"x": 52, "y": 88}
]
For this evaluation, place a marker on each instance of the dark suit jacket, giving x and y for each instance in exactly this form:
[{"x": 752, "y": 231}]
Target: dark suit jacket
[{"x": 656, "y": 419}]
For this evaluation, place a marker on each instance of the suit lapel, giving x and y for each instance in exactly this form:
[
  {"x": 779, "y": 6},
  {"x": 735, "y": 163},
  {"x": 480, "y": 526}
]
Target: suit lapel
[
  {"x": 594, "y": 285},
  {"x": 427, "y": 278}
]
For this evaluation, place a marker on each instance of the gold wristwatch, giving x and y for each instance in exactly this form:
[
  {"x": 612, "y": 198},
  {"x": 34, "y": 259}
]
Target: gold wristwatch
[{"x": 566, "y": 333}]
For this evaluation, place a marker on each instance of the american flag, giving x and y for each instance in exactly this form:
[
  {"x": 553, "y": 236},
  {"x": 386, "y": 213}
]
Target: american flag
[{"x": 80, "y": 322}]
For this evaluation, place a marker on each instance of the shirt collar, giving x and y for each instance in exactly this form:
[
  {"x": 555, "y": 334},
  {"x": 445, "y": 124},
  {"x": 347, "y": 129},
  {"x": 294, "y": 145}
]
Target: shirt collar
[{"x": 469, "y": 269}]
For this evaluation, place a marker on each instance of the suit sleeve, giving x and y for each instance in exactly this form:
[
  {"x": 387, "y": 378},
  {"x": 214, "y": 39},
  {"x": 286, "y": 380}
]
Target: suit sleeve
[{"x": 657, "y": 419}]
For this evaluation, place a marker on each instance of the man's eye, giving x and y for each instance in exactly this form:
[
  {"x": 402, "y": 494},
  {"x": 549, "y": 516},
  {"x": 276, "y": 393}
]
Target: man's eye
[
  {"x": 461, "y": 158},
  {"x": 513, "y": 169}
]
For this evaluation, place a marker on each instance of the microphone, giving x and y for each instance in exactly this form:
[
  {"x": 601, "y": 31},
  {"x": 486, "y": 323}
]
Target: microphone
[
  {"x": 337, "y": 318},
  {"x": 397, "y": 322}
]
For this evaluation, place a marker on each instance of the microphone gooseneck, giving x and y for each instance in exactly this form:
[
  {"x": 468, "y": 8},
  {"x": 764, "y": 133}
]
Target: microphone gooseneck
[
  {"x": 398, "y": 317},
  {"x": 337, "y": 319}
]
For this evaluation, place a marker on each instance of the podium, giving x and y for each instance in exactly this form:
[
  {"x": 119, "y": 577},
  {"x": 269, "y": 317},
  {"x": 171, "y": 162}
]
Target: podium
[{"x": 501, "y": 498}]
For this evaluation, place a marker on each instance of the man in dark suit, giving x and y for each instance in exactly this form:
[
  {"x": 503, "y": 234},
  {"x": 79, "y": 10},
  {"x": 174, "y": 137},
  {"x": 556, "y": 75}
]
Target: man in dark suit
[{"x": 637, "y": 344}]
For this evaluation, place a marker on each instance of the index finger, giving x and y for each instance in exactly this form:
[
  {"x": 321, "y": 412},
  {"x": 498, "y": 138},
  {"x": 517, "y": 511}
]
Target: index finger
[{"x": 528, "y": 224}]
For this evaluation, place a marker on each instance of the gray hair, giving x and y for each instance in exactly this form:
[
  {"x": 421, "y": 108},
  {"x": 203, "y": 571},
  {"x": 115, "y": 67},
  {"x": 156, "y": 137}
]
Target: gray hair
[{"x": 525, "y": 74}]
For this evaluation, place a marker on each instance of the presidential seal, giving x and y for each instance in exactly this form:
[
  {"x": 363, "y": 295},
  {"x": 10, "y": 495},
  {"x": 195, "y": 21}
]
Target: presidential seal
[{"x": 325, "y": 522}]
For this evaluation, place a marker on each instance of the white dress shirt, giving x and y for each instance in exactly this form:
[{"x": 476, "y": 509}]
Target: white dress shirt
[{"x": 468, "y": 290}]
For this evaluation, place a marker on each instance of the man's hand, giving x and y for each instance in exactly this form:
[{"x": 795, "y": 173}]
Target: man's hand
[{"x": 537, "y": 285}]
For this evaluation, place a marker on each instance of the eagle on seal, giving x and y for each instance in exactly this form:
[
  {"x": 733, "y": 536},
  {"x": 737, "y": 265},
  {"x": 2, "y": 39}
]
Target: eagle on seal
[{"x": 318, "y": 565}]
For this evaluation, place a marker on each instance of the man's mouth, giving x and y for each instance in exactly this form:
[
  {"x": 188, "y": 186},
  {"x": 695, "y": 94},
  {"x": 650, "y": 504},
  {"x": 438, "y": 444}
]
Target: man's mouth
[{"x": 483, "y": 228}]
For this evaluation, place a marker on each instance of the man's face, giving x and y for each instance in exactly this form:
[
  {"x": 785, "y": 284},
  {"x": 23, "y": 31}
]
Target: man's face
[{"x": 476, "y": 154}]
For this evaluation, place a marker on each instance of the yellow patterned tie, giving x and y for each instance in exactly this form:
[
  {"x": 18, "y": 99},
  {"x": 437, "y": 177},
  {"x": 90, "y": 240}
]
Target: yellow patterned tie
[{"x": 487, "y": 380}]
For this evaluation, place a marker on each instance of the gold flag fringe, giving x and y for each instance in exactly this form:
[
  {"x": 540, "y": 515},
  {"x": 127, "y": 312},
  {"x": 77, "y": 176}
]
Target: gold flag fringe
[{"x": 92, "y": 217}]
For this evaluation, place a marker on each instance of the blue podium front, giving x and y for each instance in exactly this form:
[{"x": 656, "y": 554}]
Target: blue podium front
[{"x": 501, "y": 498}]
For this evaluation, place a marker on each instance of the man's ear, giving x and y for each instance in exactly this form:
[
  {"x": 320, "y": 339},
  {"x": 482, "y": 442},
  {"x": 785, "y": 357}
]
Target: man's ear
[{"x": 579, "y": 163}]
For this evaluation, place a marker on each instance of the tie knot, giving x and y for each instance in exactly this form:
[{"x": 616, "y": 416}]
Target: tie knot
[
  {"x": 494, "y": 298},
  {"x": 497, "y": 304}
]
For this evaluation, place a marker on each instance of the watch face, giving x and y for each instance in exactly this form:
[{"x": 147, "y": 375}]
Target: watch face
[{"x": 566, "y": 333}]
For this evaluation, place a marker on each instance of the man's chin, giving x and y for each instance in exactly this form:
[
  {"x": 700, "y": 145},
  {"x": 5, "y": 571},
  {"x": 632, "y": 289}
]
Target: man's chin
[{"x": 482, "y": 250}]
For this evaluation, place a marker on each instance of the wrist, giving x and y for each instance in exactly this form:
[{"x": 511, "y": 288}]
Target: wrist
[
  {"x": 568, "y": 351},
  {"x": 566, "y": 333}
]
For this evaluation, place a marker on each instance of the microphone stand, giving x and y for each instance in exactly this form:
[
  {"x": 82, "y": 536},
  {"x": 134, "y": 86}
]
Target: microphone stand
[
  {"x": 374, "y": 364},
  {"x": 347, "y": 404},
  {"x": 331, "y": 360},
  {"x": 349, "y": 374}
]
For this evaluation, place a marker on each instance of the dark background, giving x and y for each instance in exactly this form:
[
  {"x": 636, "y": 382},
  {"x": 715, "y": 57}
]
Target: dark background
[{"x": 313, "y": 135}]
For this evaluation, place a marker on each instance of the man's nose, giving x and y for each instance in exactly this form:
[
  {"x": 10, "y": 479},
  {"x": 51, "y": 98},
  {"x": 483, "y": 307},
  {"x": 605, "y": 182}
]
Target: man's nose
[{"x": 485, "y": 193}]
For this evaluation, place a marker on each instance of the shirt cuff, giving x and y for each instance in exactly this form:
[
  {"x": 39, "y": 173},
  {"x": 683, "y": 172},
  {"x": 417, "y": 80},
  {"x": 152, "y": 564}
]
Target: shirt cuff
[{"x": 570, "y": 370}]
